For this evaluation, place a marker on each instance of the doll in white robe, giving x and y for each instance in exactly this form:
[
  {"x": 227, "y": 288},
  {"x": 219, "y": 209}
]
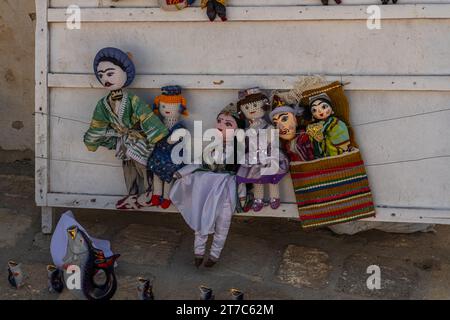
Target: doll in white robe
[{"x": 207, "y": 196}]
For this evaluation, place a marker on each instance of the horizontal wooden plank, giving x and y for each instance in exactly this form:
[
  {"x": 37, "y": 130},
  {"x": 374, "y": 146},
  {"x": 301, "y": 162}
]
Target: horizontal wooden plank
[
  {"x": 230, "y": 3},
  {"x": 260, "y": 48},
  {"x": 381, "y": 142},
  {"x": 229, "y": 82},
  {"x": 286, "y": 210},
  {"x": 407, "y": 184},
  {"x": 262, "y": 13}
]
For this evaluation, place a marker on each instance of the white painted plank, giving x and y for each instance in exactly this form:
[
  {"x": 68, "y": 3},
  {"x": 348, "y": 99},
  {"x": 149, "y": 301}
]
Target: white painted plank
[
  {"x": 262, "y": 48},
  {"x": 409, "y": 184},
  {"x": 41, "y": 102},
  {"x": 262, "y": 13},
  {"x": 102, "y": 179},
  {"x": 397, "y": 140},
  {"x": 231, "y": 3},
  {"x": 410, "y": 215},
  {"x": 422, "y": 183},
  {"x": 366, "y": 107},
  {"x": 228, "y": 82}
]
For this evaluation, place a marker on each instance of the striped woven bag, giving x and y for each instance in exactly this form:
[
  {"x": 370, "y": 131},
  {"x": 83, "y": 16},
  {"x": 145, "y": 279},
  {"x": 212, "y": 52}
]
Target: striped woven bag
[{"x": 334, "y": 189}]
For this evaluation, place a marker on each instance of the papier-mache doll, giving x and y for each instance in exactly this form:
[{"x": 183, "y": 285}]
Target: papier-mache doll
[
  {"x": 170, "y": 105},
  {"x": 327, "y": 170},
  {"x": 215, "y": 8},
  {"x": 174, "y": 5},
  {"x": 296, "y": 142},
  {"x": 329, "y": 135},
  {"x": 253, "y": 105},
  {"x": 207, "y": 195},
  {"x": 123, "y": 122}
]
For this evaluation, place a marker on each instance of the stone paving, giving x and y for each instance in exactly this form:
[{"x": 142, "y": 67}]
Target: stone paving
[{"x": 267, "y": 258}]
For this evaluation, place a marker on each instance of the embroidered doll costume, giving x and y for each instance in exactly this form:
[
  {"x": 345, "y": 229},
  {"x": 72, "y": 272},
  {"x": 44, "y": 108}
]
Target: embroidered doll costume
[
  {"x": 123, "y": 122},
  {"x": 206, "y": 195},
  {"x": 334, "y": 187},
  {"x": 329, "y": 135}
]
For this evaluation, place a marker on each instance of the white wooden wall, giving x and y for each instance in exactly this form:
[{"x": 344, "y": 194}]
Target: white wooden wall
[{"x": 399, "y": 87}]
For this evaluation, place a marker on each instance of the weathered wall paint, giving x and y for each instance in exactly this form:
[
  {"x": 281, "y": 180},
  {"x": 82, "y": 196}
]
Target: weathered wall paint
[{"x": 17, "y": 23}]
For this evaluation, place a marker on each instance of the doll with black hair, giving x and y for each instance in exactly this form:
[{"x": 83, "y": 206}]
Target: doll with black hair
[
  {"x": 329, "y": 135},
  {"x": 207, "y": 195},
  {"x": 123, "y": 122},
  {"x": 261, "y": 168}
]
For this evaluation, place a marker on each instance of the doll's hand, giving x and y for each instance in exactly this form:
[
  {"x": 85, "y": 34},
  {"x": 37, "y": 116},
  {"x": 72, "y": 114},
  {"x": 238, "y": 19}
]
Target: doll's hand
[
  {"x": 177, "y": 175},
  {"x": 171, "y": 141}
]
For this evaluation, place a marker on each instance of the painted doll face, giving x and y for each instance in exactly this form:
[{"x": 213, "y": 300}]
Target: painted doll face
[
  {"x": 321, "y": 109},
  {"x": 169, "y": 110},
  {"x": 254, "y": 110},
  {"x": 111, "y": 76},
  {"x": 286, "y": 123},
  {"x": 226, "y": 124}
]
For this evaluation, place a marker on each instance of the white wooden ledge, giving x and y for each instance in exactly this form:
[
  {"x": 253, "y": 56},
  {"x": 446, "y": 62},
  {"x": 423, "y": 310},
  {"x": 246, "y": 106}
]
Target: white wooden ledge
[
  {"x": 266, "y": 13},
  {"x": 234, "y": 82},
  {"x": 286, "y": 210}
]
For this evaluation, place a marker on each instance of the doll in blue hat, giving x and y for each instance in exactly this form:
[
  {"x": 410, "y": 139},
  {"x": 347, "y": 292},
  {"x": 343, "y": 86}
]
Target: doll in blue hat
[{"x": 124, "y": 123}]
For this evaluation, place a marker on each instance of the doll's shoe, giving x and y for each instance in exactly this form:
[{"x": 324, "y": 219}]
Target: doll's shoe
[
  {"x": 128, "y": 203},
  {"x": 338, "y": 1},
  {"x": 55, "y": 279},
  {"x": 145, "y": 290},
  {"x": 198, "y": 260},
  {"x": 236, "y": 294},
  {"x": 206, "y": 293},
  {"x": 221, "y": 11},
  {"x": 166, "y": 203},
  {"x": 325, "y": 2},
  {"x": 275, "y": 203},
  {"x": 156, "y": 200},
  {"x": 258, "y": 204},
  {"x": 15, "y": 274},
  {"x": 210, "y": 262},
  {"x": 211, "y": 10},
  {"x": 144, "y": 200}
]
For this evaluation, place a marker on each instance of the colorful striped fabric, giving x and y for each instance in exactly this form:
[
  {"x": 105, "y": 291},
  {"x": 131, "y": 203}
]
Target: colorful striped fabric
[{"x": 332, "y": 190}]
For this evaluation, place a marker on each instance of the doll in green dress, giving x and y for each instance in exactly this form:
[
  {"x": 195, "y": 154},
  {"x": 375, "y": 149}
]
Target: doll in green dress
[{"x": 329, "y": 135}]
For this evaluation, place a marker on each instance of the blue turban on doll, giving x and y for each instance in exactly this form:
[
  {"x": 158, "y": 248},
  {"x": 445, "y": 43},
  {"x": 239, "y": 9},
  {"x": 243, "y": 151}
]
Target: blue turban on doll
[{"x": 119, "y": 58}]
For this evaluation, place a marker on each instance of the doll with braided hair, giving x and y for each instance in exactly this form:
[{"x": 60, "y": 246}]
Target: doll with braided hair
[{"x": 170, "y": 105}]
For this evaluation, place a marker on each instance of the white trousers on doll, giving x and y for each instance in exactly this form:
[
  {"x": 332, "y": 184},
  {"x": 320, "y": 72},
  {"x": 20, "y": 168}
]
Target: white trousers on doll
[{"x": 221, "y": 229}]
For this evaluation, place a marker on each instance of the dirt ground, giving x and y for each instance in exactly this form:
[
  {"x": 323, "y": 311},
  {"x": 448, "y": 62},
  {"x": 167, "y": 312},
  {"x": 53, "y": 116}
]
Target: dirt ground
[{"x": 264, "y": 257}]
